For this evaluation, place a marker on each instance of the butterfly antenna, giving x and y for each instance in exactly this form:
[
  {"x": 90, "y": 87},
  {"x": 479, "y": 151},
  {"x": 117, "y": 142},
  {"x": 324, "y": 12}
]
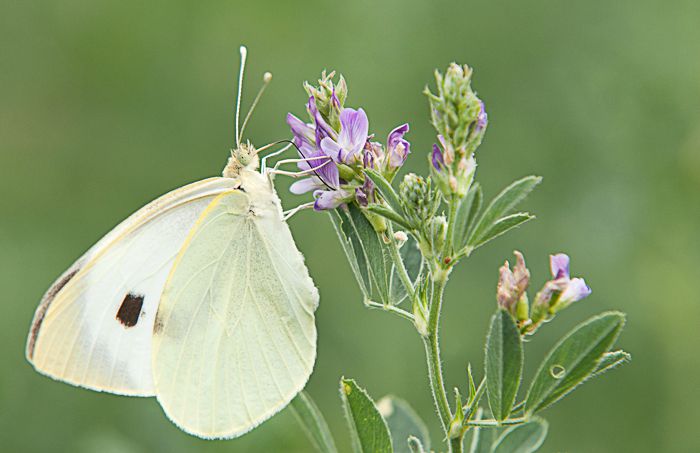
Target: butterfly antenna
[
  {"x": 244, "y": 54},
  {"x": 267, "y": 78}
]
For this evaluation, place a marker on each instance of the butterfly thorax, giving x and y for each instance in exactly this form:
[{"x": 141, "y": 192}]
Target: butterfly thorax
[{"x": 245, "y": 156}]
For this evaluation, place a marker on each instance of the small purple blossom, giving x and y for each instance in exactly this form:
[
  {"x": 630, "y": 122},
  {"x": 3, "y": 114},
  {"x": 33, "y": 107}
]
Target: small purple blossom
[
  {"x": 329, "y": 199},
  {"x": 559, "y": 265},
  {"x": 482, "y": 119},
  {"x": 437, "y": 158},
  {"x": 562, "y": 290},
  {"x": 324, "y": 175},
  {"x": 397, "y": 147},
  {"x": 354, "y": 127}
]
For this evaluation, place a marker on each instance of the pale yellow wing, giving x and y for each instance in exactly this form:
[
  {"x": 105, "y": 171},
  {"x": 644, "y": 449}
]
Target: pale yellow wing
[
  {"x": 235, "y": 338},
  {"x": 94, "y": 326}
]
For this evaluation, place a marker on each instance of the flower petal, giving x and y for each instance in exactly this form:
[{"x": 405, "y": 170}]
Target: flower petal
[
  {"x": 398, "y": 148},
  {"x": 354, "y": 127},
  {"x": 397, "y": 134},
  {"x": 305, "y": 185},
  {"x": 328, "y": 199},
  {"x": 575, "y": 291},
  {"x": 437, "y": 159},
  {"x": 300, "y": 129},
  {"x": 559, "y": 265},
  {"x": 482, "y": 119},
  {"x": 333, "y": 150}
]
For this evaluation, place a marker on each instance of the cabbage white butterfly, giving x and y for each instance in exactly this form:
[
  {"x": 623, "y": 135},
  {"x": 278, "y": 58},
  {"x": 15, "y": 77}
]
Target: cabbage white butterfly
[{"x": 200, "y": 299}]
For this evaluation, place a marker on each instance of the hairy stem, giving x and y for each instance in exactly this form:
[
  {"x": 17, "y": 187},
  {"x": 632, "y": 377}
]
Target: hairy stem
[
  {"x": 491, "y": 423},
  {"x": 398, "y": 263},
  {"x": 456, "y": 444},
  {"x": 391, "y": 309},
  {"x": 432, "y": 351}
]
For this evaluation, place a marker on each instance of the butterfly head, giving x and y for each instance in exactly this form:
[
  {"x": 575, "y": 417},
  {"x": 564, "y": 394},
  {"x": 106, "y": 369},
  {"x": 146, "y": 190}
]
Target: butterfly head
[{"x": 245, "y": 156}]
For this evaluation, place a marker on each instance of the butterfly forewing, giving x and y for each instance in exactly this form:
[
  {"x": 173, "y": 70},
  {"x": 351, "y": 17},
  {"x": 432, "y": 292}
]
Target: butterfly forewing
[
  {"x": 94, "y": 326},
  {"x": 234, "y": 339}
]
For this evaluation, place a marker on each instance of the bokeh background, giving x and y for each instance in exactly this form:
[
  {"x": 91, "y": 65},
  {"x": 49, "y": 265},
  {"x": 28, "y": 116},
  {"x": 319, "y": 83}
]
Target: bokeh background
[{"x": 105, "y": 105}]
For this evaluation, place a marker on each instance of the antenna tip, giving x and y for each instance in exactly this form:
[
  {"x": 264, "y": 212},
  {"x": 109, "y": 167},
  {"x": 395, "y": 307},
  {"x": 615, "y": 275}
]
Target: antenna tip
[
  {"x": 267, "y": 77},
  {"x": 244, "y": 51}
]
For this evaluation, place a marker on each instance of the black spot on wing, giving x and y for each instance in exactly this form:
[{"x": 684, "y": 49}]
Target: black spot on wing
[
  {"x": 44, "y": 307},
  {"x": 130, "y": 310}
]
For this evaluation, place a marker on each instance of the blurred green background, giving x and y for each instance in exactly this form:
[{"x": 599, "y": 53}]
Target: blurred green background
[{"x": 105, "y": 105}]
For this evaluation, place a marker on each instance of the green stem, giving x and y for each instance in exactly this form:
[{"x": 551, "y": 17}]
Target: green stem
[
  {"x": 398, "y": 263},
  {"x": 432, "y": 351},
  {"x": 491, "y": 423},
  {"x": 391, "y": 309}
]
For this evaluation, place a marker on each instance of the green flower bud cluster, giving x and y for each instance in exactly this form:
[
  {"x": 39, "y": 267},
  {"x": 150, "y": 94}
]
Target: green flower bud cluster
[
  {"x": 329, "y": 97},
  {"x": 419, "y": 201},
  {"x": 457, "y": 113}
]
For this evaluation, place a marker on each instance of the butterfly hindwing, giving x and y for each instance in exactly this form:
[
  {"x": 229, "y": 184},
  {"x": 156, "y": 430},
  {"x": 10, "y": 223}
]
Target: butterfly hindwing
[
  {"x": 235, "y": 338},
  {"x": 94, "y": 326}
]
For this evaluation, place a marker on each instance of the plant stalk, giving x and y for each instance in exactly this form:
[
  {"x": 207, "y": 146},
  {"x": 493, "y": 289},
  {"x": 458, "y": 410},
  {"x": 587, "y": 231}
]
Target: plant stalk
[
  {"x": 432, "y": 351},
  {"x": 398, "y": 263}
]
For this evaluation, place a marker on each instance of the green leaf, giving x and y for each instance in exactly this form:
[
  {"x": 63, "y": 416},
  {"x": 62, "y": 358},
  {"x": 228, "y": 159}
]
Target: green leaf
[
  {"x": 611, "y": 360},
  {"x": 403, "y": 422},
  {"x": 504, "y": 363},
  {"x": 501, "y": 206},
  {"x": 312, "y": 422},
  {"x": 412, "y": 260},
  {"x": 503, "y": 225},
  {"x": 466, "y": 213},
  {"x": 366, "y": 252},
  {"x": 368, "y": 429},
  {"x": 385, "y": 189},
  {"x": 390, "y": 214},
  {"x": 524, "y": 438},
  {"x": 574, "y": 359},
  {"x": 353, "y": 251},
  {"x": 414, "y": 445}
]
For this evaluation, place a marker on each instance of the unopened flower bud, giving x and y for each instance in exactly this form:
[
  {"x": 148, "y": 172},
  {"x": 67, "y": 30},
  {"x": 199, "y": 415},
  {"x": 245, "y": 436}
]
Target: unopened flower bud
[
  {"x": 329, "y": 98},
  {"x": 457, "y": 113},
  {"x": 417, "y": 197},
  {"x": 401, "y": 237},
  {"x": 512, "y": 286},
  {"x": 438, "y": 230},
  {"x": 397, "y": 148}
]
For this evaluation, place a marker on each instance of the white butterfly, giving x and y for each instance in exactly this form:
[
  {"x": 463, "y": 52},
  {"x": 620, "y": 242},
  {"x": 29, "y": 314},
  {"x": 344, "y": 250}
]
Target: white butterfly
[{"x": 200, "y": 298}]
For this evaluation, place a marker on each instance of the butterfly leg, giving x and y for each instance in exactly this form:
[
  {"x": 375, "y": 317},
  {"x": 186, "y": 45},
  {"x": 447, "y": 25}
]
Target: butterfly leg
[
  {"x": 263, "y": 161},
  {"x": 287, "y": 214},
  {"x": 296, "y": 174}
]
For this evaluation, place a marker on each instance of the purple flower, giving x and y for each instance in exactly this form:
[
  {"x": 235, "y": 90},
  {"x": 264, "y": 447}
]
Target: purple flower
[
  {"x": 573, "y": 289},
  {"x": 562, "y": 290},
  {"x": 354, "y": 127},
  {"x": 329, "y": 199},
  {"x": 437, "y": 159},
  {"x": 321, "y": 168},
  {"x": 397, "y": 147},
  {"x": 365, "y": 194},
  {"x": 559, "y": 265},
  {"x": 304, "y": 134},
  {"x": 482, "y": 119}
]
